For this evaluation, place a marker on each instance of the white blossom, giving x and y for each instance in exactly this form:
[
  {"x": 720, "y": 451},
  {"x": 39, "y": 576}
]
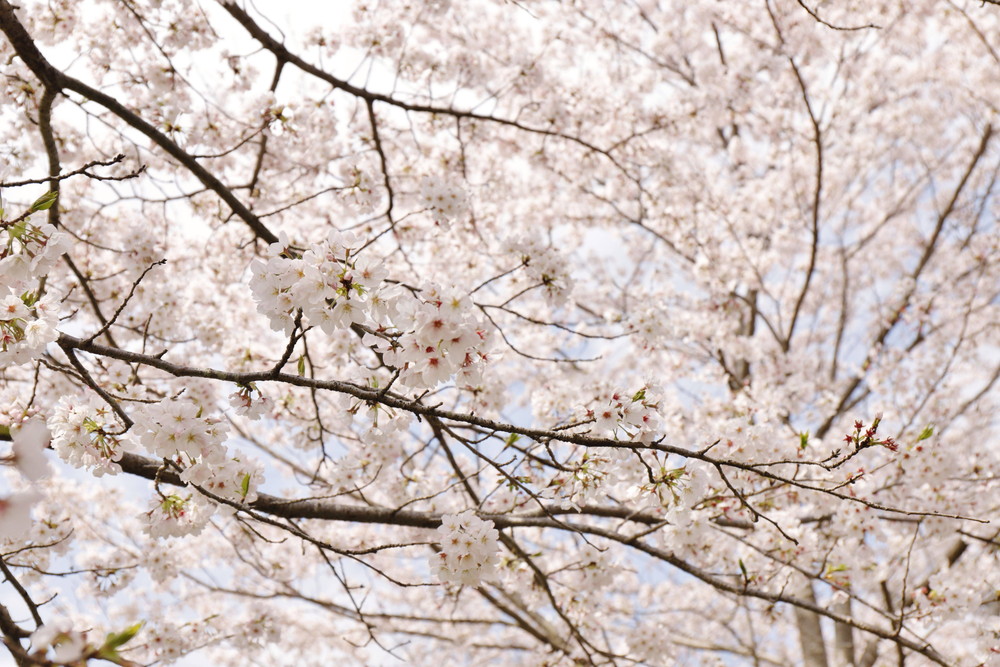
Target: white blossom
[
  {"x": 68, "y": 645},
  {"x": 469, "y": 550}
]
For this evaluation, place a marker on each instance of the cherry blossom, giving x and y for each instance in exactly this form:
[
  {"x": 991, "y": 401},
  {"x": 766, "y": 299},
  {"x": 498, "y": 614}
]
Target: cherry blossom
[
  {"x": 445, "y": 201},
  {"x": 68, "y": 646},
  {"x": 86, "y": 433},
  {"x": 175, "y": 515},
  {"x": 469, "y": 551},
  {"x": 508, "y": 333}
]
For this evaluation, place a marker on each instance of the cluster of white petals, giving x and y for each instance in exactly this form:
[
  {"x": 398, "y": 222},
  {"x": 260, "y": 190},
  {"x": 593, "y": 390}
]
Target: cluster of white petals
[
  {"x": 87, "y": 434},
  {"x": 28, "y": 318},
  {"x": 586, "y": 479},
  {"x": 544, "y": 265},
  {"x": 429, "y": 337},
  {"x": 628, "y": 416},
  {"x": 177, "y": 430},
  {"x": 261, "y": 630},
  {"x": 67, "y": 646},
  {"x": 469, "y": 552},
  {"x": 446, "y": 201},
  {"x": 108, "y": 570},
  {"x": 28, "y": 251},
  {"x": 170, "y": 428},
  {"x": 361, "y": 187},
  {"x": 26, "y": 326},
  {"x": 332, "y": 285},
  {"x": 677, "y": 488},
  {"x": 447, "y": 339},
  {"x": 176, "y": 515},
  {"x": 250, "y": 402},
  {"x": 235, "y": 479}
]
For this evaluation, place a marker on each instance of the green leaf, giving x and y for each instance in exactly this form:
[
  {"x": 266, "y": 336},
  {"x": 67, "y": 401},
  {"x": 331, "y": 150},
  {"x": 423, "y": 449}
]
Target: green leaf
[
  {"x": 245, "y": 485},
  {"x": 115, "y": 640},
  {"x": 302, "y": 366},
  {"x": 926, "y": 433},
  {"x": 803, "y": 440},
  {"x": 639, "y": 395},
  {"x": 44, "y": 202},
  {"x": 19, "y": 230},
  {"x": 511, "y": 439}
]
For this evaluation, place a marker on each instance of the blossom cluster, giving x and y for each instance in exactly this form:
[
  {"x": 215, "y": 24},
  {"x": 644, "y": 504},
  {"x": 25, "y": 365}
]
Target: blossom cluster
[
  {"x": 332, "y": 285},
  {"x": 429, "y": 338},
  {"x": 177, "y": 430},
  {"x": 27, "y": 325},
  {"x": 444, "y": 200},
  {"x": 446, "y": 339},
  {"x": 176, "y": 515},
  {"x": 469, "y": 550},
  {"x": 87, "y": 434},
  {"x": 28, "y": 251},
  {"x": 27, "y": 318},
  {"x": 630, "y": 417},
  {"x": 543, "y": 264},
  {"x": 108, "y": 570},
  {"x": 584, "y": 480},
  {"x": 678, "y": 488},
  {"x": 361, "y": 188},
  {"x": 244, "y": 401},
  {"x": 172, "y": 428},
  {"x": 261, "y": 630},
  {"x": 68, "y": 646}
]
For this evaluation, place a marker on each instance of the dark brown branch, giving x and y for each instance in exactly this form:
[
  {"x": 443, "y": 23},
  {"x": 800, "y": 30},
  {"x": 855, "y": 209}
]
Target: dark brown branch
[
  {"x": 817, "y": 200},
  {"x": 282, "y": 53},
  {"x": 131, "y": 293},
  {"x": 383, "y": 162},
  {"x": 85, "y": 170},
  {"x": 414, "y": 406},
  {"x": 318, "y": 509},
  {"x": 32, "y": 607},
  {"x": 925, "y": 257},
  {"x": 52, "y": 78},
  {"x": 812, "y": 13}
]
